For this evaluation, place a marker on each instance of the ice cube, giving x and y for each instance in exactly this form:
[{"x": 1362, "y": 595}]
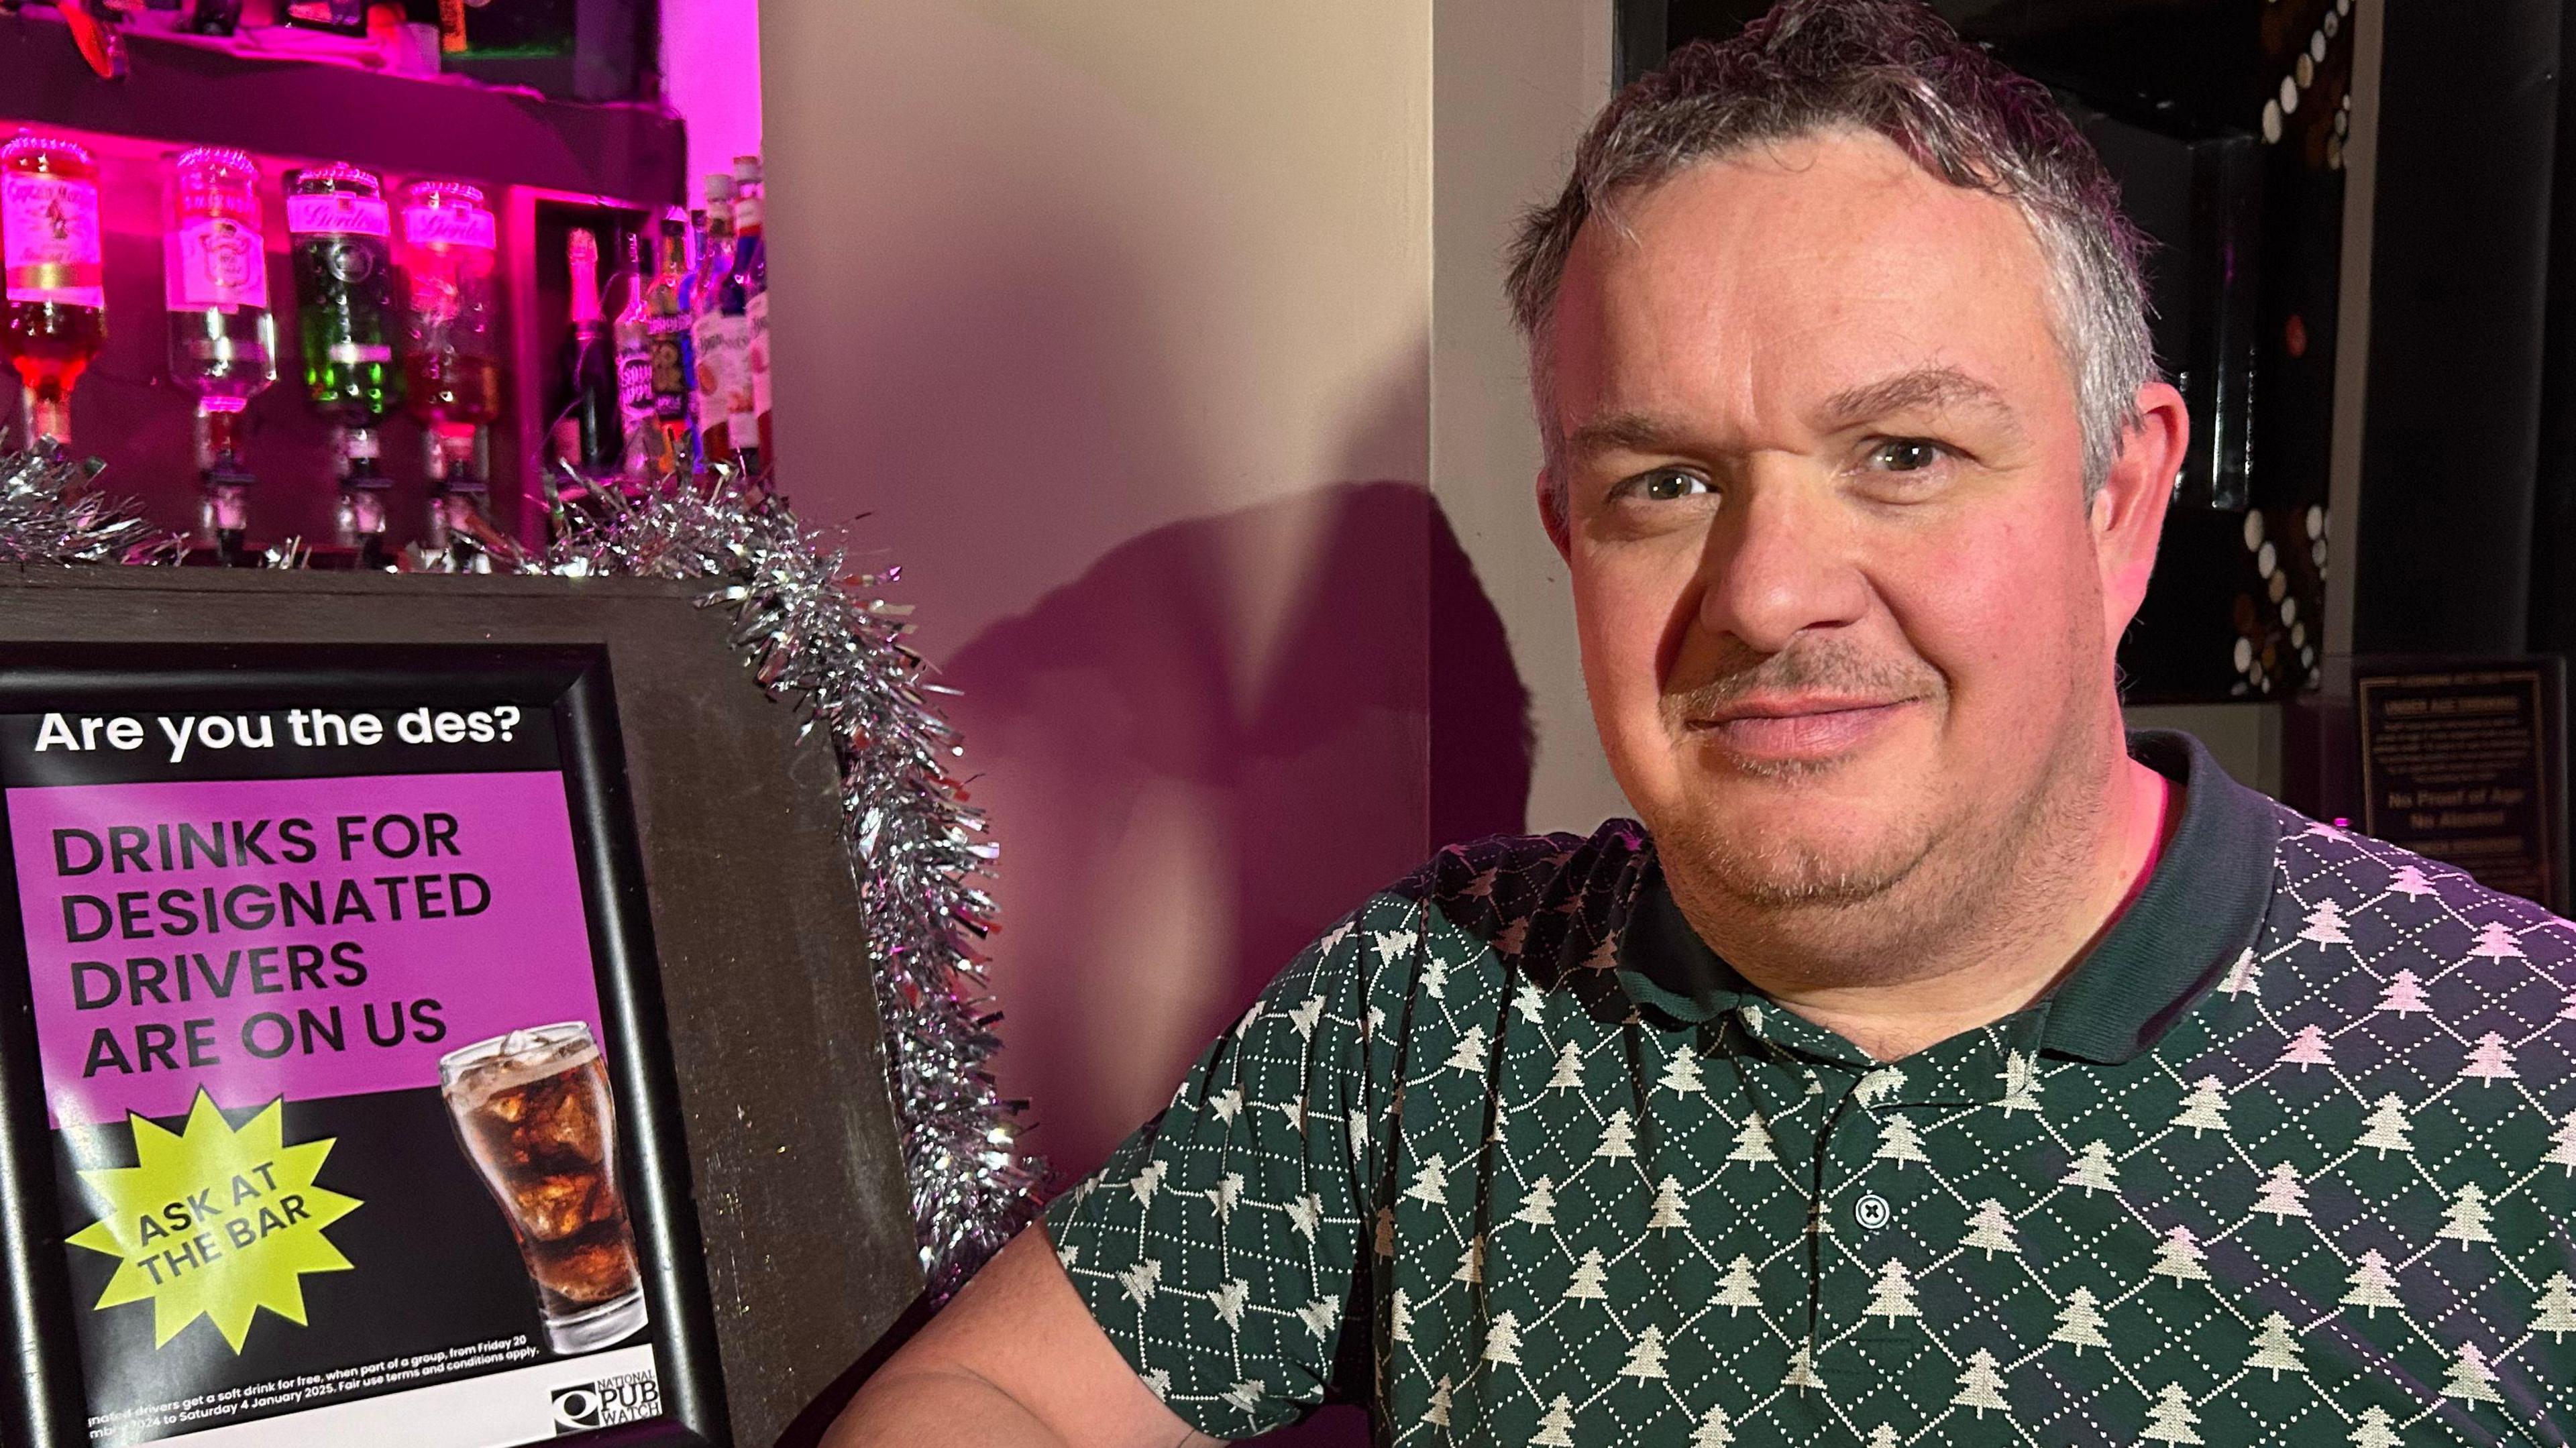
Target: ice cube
[
  {"x": 593, "y": 1271},
  {"x": 551, "y": 1208},
  {"x": 507, "y": 1106},
  {"x": 561, "y": 1124}
]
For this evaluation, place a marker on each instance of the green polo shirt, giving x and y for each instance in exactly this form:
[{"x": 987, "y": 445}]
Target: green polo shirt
[{"x": 1512, "y": 1157}]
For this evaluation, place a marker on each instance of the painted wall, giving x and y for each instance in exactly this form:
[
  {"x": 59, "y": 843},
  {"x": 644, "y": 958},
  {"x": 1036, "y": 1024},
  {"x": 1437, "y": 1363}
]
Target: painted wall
[
  {"x": 1111, "y": 319},
  {"x": 711, "y": 74},
  {"x": 1162, "y": 346},
  {"x": 1514, "y": 83}
]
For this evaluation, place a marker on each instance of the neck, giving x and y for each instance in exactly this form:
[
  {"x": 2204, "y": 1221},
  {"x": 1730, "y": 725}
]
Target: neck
[{"x": 2083, "y": 856}]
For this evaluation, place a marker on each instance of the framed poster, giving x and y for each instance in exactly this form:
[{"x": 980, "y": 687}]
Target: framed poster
[
  {"x": 2465, "y": 760},
  {"x": 329, "y": 1010}
]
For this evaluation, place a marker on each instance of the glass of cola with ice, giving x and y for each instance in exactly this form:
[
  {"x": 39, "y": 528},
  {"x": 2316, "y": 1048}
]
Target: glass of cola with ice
[{"x": 533, "y": 1111}]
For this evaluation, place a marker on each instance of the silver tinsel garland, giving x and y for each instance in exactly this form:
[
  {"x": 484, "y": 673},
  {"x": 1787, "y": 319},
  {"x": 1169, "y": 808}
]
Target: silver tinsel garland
[
  {"x": 46, "y": 517},
  {"x": 830, "y": 644}
]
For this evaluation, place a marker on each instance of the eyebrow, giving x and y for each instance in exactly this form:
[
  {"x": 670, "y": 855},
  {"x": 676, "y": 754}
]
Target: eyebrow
[
  {"x": 1625, "y": 432},
  {"x": 1921, "y": 389}
]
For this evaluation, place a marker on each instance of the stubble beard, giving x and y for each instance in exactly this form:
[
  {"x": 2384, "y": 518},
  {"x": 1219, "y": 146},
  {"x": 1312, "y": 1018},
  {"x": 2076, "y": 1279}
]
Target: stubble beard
[
  {"x": 1938, "y": 875},
  {"x": 1777, "y": 873}
]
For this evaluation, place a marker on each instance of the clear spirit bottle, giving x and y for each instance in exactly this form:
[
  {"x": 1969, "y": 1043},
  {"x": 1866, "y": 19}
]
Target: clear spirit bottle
[{"x": 223, "y": 338}]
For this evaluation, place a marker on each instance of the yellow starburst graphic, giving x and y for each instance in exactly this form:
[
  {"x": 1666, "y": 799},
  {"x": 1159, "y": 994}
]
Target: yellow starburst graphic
[{"x": 215, "y": 1222}]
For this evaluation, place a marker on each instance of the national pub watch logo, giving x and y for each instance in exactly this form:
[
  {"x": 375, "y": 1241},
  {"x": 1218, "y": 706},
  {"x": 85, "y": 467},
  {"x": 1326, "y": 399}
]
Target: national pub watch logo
[{"x": 626, "y": 1398}]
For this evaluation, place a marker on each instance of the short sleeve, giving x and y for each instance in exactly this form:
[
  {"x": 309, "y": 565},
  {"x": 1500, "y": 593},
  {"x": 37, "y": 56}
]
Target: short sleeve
[{"x": 1220, "y": 1246}]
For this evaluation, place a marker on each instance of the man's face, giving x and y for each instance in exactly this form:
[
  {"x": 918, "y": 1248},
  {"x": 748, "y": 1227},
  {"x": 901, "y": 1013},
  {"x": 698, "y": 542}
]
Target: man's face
[{"x": 1844, "y": 611}]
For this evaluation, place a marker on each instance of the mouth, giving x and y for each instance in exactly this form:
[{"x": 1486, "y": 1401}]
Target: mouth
[{"x": 1800, "y": 729}]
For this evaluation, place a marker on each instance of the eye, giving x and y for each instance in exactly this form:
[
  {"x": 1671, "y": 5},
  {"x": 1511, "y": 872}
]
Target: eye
[
  {"x": 1665, "y": 485},
  {"x": 1905, "y": 455}
]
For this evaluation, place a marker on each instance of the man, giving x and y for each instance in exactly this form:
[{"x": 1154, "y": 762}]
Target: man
[{"x": 1937, "y": 1065}]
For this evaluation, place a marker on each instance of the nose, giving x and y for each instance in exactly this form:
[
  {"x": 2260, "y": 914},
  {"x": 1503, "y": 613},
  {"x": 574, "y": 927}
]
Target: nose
[{"x": 1779, "y": 563}]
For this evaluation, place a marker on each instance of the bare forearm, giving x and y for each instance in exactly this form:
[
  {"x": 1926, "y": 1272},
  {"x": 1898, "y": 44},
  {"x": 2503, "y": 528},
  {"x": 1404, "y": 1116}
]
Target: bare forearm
[
  {"x": 937, "y": 1409},
  {"x": 1015, "y": 1362}
]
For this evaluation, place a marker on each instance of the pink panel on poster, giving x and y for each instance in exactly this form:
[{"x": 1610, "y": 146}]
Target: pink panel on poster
[{"x": 449, "y": 905}]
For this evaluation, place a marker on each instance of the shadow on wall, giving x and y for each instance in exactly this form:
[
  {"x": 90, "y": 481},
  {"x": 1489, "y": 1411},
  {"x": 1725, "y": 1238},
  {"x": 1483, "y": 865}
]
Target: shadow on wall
[
  {"x": 1181, "y": 825},
  {"x": 1182, "y": 822}
]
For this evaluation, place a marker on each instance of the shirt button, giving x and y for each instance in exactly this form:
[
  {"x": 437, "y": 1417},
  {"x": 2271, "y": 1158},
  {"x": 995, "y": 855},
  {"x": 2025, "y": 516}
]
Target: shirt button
[{"x": 1872, "y": 1211}]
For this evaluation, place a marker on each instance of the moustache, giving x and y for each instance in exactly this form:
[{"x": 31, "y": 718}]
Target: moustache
[{"x": 1822, "y": 668}]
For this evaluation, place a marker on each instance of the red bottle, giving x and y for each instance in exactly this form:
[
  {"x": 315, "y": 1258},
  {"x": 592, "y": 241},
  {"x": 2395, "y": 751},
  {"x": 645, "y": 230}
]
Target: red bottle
[
  {"x": 56, "y": 315},
  {"x": 451, "y": 340}
]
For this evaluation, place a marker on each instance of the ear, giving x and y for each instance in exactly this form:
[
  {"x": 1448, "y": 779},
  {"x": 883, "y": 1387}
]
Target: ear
[
  {"x": 2129, "y": 512},
  {"x": 1551, "y": 516}
]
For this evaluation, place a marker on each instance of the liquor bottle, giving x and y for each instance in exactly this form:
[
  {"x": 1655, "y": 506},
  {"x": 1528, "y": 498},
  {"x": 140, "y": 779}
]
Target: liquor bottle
[
  {"x": 451, "y": 352},
  {"x": 223, "y": 339},
  {"x": 750, "y": 421},
  {"x": 56, "y": 319},
  {"x": 590, "y": 369},
  {"x": 344, "y": 277},
  {"x": 689, "y": 300},
  {"x": 666, "y": 335},
  {"x": 718, "y": 329},
  {"x": 639, "y": 461}
]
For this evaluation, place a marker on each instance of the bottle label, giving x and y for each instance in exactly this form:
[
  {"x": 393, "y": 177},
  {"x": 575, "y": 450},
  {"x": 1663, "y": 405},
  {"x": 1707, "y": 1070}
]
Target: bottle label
[
  {"x": 360, "y": 442},
  {"x": 354, "y": 352},
  {"x": 756, "y": 356},
  {"x": 216, "y": 262},
  {"x": 49, "y": 225},
  {"x": 721, "y": 341},
  {"x": 336, "y": 212},
  {"x": 742, "y": 422},
  {"x": 666, "y": 342},
  {"x": 203, "y": 192},
  {"x": 746, "y": 213},
  {"x": 449, "y": 226},
  {"x": 635, "y": 383}
]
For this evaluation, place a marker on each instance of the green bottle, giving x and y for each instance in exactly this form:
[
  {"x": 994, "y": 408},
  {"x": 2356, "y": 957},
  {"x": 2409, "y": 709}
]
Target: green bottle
[
  {"x": 344, "y": 293},
  {"x": 344, "y": 296}
]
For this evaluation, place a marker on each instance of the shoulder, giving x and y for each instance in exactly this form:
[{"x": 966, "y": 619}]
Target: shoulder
[
  {"x": 1523, "y": 893},
  {"x": 2399, "y": 910},
  {"x": 2321, "y": 859},
  {"x": 1501, "y": 875},
  {"x": 1475, "y": 916}
]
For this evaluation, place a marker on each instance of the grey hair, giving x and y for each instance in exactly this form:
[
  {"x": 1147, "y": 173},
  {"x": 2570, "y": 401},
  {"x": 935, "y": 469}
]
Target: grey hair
[{"x": 1894, "y": 68}]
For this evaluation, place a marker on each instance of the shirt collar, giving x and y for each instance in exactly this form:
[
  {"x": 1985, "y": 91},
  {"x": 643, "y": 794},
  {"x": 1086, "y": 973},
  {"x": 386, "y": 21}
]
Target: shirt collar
[{"x": 2200, "y": 909}]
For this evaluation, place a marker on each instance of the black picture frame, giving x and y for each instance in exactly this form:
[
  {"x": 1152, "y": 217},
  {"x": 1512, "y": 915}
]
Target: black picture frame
[
  {"x": 742, "y": 883},
  {"x": 570, "y": 683}
]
